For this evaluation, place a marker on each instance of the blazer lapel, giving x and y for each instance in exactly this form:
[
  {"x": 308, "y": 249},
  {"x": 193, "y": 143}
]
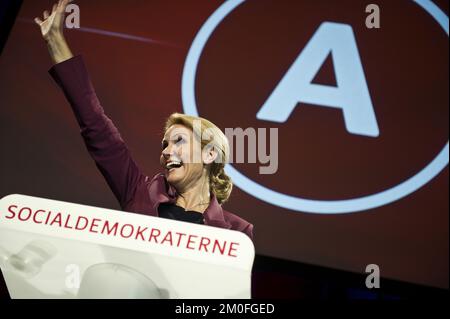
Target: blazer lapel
[
  {"x": 213, "y": 215},
  {"x": 162, "y": 192}
]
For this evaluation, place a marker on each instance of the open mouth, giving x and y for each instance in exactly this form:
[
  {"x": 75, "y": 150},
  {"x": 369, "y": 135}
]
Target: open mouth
[{"x": 171, "y": 165}]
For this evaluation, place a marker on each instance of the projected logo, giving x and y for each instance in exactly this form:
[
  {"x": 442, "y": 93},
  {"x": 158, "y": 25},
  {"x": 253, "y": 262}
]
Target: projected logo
[{"x": 362, "y": 123}]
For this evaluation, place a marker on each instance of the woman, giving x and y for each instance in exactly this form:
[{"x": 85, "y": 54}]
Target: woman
[{"x": 188, "y": 190}]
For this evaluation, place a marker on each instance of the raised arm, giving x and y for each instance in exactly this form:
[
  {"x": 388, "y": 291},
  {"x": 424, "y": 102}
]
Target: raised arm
[
  {"x": 101, "y": 137},
  {"x": 52, "y": 28}
]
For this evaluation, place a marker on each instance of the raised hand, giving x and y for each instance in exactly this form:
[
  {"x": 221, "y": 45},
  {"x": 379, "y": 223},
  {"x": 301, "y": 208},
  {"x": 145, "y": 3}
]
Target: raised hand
[
  {"x": 53, "y": 23},
  {"x": 52, "y": 31}
]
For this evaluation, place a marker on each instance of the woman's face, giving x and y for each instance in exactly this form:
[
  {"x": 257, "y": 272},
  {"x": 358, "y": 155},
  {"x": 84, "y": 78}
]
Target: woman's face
[{"x": 181, "y": 166}]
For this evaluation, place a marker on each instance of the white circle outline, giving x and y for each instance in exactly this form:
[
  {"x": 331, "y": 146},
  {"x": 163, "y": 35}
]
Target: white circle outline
[{"x": 291, "y": 202}]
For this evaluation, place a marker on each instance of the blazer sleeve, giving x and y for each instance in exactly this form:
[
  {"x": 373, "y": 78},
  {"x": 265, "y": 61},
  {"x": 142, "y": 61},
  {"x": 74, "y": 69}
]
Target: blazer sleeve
[
  {"x": 101, "y": 137},
  {"x": 249, "y": 231}
]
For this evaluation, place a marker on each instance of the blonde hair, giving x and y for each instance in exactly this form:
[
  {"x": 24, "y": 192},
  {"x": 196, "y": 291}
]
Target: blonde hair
[{"x": 220, "y": 184}]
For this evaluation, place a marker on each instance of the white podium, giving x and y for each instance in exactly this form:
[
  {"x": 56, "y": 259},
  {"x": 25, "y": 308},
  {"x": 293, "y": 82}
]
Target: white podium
[{"x": 54, "y": 249}]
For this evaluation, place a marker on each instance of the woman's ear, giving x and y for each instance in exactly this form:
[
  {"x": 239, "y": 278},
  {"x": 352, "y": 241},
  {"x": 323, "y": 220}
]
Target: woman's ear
[{"x": 209, "y": 154}]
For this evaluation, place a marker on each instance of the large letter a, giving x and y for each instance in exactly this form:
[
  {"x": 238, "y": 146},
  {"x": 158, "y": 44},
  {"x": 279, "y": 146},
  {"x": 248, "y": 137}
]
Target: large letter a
[{"x": 351, "y": 94}]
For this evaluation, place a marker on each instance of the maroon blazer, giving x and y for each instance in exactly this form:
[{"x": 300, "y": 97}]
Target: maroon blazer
[{"x": 135, "y": 192}]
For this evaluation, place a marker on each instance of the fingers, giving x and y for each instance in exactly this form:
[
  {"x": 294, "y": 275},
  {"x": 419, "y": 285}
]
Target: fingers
[
  {"x": 62, "y": 4},
  {"x": 38, "y": 20},
  {"x": 60, "y": 7}
]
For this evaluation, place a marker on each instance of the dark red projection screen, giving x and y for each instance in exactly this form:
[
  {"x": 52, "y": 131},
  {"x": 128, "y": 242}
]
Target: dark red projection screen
[{"x": 353, "y": 117}]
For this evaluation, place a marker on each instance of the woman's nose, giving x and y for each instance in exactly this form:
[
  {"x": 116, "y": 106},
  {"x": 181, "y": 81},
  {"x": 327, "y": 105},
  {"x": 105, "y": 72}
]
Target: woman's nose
[{"x": 165, "y": 154}]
